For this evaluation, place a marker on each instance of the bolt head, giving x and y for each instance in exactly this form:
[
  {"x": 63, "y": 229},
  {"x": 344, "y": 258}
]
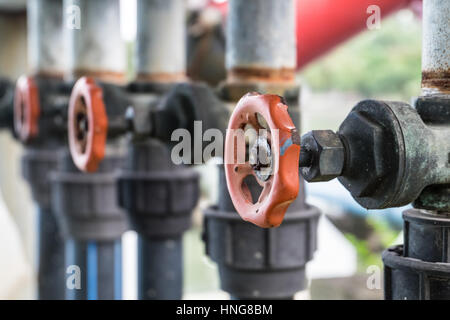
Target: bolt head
[{"x": 328, "y": 155}]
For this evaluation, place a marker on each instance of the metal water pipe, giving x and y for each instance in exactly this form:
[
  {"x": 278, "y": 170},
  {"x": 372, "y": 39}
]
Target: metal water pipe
[
  {"x": 161, "y": 56},
  {"x": 160, "y": 220},
  {"x": 95, "y": 45},
  {"x": 261, "y": 41},
  {"x": 45, "y": 38},
  {"x": 320, "y": 27},
  {"x": 88, "y": 212},
  {"x": 259, "y": 263},
  {"x": 435, "y": 48},
  {"x": 385, "y": 153},
  {"x": 158, "y": 195},
  {"x": 36, "y": 94},
  {"x": 418, "y": 269}
]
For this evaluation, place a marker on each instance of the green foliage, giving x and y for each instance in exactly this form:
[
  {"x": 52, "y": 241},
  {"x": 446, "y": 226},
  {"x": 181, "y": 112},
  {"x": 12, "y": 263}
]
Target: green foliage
[
  {"x": 365, "y": 256},
  {"x": 379, "y": 62},
  {"x": 384, "y": 236}
]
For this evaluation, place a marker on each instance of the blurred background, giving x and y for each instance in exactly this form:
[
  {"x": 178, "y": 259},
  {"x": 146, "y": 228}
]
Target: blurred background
[{"x": 384, "y": 63}]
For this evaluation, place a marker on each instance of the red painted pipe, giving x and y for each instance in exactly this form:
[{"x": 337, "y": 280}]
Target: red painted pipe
[{"x": 324, "y": 24}]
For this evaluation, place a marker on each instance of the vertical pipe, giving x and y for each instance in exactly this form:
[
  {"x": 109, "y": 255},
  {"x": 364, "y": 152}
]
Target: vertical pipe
[
  {"x": 100, "y": 269},
  {"x": 160, "y": 263},
  {"x": 435, "y": 47},
  {"x": 160, "y": 57},
  {"x": 36, "y": 165},
  {"x": 45, "y": 42},
  {"x": 160, "y": 253},
  {"x": 46, "y": 58},
  {"x": 261, "y": 40},
  {"x": 96, "y": 49},
  {"x": 160, "y": 221},
  {"x": 51, "y": 270},
  {"x": 94, "y": 41},
  {"x": 109, "y": 267},
  {"x": 76, "y": 255},
  {"x": 261, "y": 52},
  {"x": 160, "y": 40},
  {"x": 93, "y": 226}
]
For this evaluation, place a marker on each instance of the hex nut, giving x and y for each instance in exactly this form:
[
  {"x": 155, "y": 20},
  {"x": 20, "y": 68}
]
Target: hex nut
[
  {"x": 365, "y": 164},
  {"x": 328, "y": 155}
]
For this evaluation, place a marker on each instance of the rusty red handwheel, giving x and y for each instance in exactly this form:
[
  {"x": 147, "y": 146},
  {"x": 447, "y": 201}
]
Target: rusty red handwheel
[
  {"x": 277, "y": 140},
  {"x": 26, "y": 109},
  {"x": 87, "y": 124}
]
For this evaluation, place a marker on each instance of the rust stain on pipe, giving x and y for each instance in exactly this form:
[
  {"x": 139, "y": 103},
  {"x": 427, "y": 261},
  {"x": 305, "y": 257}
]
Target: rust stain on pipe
[
  {"x": 106, "y": 76},
  {"x": 161, "y": 77},
  {"x": 435, "y": 47},
  {"x": 49, "y": 75},
  {"x": 261, "y": 74},
  {"x": 439, "y": 80}
]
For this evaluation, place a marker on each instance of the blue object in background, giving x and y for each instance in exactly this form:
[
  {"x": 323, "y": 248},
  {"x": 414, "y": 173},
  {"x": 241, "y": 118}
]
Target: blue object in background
[{"x": 336, "y": 194}]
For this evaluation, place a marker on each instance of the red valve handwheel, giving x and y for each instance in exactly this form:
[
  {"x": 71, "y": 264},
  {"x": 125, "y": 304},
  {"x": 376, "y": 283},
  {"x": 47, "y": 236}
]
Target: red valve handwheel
[
  {"x": 87, "y": 124},
  {"x": 280, "y": 188},
  {"x": 26, "y": 109}
]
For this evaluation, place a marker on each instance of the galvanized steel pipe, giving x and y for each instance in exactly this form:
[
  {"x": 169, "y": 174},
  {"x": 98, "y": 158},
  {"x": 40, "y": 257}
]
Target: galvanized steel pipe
[
  {"x": 94, "y": 40},
  {"x": 261, "y": 40},
  {"x": 45, "y": 38},
  {"x": 161, "y": 40},
  {"x": 436, "y": 47}
]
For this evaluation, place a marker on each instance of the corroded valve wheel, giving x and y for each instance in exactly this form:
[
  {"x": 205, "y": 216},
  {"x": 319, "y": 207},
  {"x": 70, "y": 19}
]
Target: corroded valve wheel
[
  {"x": 26, "y": 109},
  {"x": 272, "y": 158},
  {"x": 88, "y": 124}
]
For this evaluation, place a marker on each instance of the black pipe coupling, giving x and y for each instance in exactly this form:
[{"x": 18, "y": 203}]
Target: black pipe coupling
[
  {"x": 36, "y": 165},
  {"x": 257, "y": 263},
  {"x": 185, "y": 104},
  {"x": 383, "y": 153},
  {"x": 158, "y": 195},
  {"x": 86, "y": 204},
  {"x": 418, "y": 270}
]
